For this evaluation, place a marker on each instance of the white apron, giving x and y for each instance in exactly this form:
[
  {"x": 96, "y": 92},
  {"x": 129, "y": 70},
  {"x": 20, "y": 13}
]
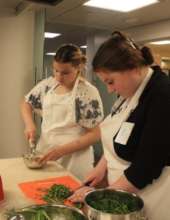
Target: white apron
[
  {"x": 156, "y": 196},
  {"x": 59, "y": 127}
]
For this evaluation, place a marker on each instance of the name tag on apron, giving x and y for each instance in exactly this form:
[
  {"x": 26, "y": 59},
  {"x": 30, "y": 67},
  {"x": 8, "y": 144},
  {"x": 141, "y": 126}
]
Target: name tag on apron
[{"x": 124, "y": 133}]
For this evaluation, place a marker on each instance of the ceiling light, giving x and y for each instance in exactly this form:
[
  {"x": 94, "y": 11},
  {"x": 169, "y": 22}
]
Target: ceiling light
[
  {"x": 120, "y": 5},
  {"x": 162, "y": 42},
  {"x": 50, "y": 54},
  {"x": 83, "y": 46},
  {"x": 166, "y": 58},
  {"x": 51, "y": 35}
]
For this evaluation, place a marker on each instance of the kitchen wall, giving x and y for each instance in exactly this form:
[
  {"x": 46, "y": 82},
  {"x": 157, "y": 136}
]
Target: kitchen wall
[
  {"x": 154, "y": 31},
  {"x": 16, "y": 71},
  {"x": 17, "y": 74}
]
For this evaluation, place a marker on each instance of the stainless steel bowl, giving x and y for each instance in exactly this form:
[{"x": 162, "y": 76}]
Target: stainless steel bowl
[
  {"x": 126, "y": 206},
  {"x": 54, "y": 212},
  {"x": 31, "y": 162}
]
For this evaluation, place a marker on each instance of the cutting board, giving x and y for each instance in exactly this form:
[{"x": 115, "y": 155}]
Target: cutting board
[{"x": 36, "y": 189}]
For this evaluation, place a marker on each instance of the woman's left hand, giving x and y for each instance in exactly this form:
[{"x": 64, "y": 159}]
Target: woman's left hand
[
  {"x": 80, "y": 194},
  {"x": 50, "y": 155}
]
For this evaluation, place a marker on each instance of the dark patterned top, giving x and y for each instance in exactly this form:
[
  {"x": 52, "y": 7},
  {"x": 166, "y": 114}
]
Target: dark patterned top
[{"x": 88, "y": 104}]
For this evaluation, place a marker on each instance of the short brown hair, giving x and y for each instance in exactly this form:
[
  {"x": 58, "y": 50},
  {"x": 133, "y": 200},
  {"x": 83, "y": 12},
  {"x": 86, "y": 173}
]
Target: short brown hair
[{"x": 120, "y": 53}]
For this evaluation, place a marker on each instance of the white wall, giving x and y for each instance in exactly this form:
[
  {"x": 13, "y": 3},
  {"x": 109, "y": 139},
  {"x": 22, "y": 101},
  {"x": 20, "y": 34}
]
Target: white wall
[
  {"x": 16, "y": 71},
  {"x": 155, "y": 31},
  {"x": 142, "y": 34}
]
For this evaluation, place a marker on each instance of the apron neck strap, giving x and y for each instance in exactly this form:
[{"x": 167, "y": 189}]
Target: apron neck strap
[{"x": 74, "y": 91}]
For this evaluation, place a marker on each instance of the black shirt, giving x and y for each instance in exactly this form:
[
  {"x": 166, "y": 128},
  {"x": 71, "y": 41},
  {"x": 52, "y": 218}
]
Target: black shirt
[{"x": 148, "y": 147}]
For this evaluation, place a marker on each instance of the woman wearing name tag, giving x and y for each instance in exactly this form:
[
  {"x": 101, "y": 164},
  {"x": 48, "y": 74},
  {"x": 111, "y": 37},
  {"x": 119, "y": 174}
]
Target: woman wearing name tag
[
  {"x": 135, "y": 135},
  {"x": 69, "y": 106}
]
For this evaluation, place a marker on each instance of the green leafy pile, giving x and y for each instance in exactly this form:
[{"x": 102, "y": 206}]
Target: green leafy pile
[
  {"x": 44, "y": 212},
  {"x": 57, "y": 193},
  {"x": 38, "y": 213},
  {"x": 115, "y": 203}
]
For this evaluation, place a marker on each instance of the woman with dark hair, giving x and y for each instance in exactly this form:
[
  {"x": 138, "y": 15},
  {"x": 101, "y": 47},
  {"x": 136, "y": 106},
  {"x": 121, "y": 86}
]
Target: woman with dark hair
[
  {"x": 135, "y": 135},
  {"x": 69, "y": 105}
]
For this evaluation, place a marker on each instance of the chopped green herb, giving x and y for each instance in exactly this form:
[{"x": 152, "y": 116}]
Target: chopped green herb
[
  {"x": 113, "y": 202},
  {"x": 57, "y": 193},
  {"x": 45, "y": 212}
]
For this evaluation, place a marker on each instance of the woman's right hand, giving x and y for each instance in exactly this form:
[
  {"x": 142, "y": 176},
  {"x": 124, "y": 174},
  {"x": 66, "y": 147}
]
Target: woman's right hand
[
  {"x": 30, "y": 132},
  {"x": 94, "y": 177},
  {"x": 97, "y": 174}
]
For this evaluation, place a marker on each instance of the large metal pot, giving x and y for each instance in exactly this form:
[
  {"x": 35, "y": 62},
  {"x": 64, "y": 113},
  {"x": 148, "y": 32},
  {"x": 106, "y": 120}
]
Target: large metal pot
[{"x": 121, "y": 205}]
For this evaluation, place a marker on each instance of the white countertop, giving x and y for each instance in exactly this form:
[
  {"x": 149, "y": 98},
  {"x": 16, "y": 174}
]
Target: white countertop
[{"x": 13, "y": 171}]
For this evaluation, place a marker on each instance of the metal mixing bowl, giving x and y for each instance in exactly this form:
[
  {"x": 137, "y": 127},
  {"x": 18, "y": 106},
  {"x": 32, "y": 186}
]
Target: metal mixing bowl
[
  {"x": 54, "y": 212},
  {"x": 31, "y": 161},
  {"x": 107, "y": 204}
]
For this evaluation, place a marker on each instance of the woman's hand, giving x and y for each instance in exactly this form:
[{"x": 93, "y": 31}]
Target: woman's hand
[
  {"x": 97, "y": 174},
  {"x": 50, "y": 155},
  {"x": 30, "y": 132},
  {"x": 80, "y": 194},
  {"x": 94, "y": 177},
  {"x": 30, "y": 128}
]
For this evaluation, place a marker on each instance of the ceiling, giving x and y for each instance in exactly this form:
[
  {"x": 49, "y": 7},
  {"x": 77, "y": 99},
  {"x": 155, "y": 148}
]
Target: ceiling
[
  {"x": 8, "y": 3},
  {"x": 75, "y": 21},
  {"x": 73, "y": 12}
]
